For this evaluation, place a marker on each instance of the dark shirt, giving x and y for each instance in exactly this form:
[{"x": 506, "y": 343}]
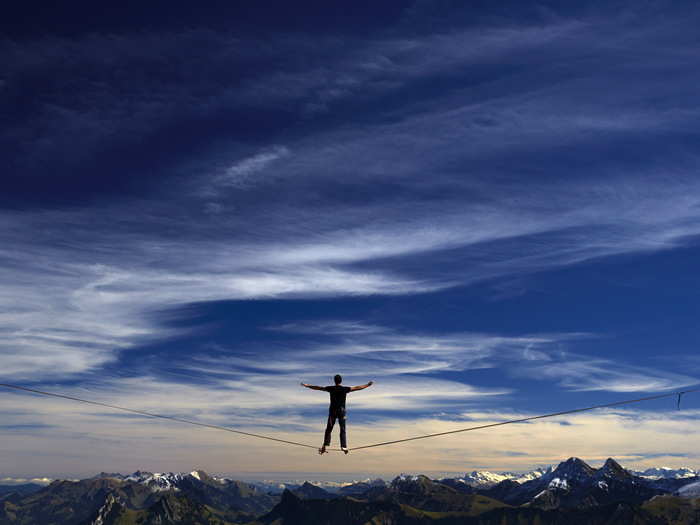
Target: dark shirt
[{"x": 338, "y": 394}]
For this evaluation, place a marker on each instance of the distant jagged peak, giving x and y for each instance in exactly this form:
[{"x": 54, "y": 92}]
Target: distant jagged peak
[
  {"x": 140, "y": 474},
  {"x": 310, "y": 491},
  {"x": 197, "y": 474},
  {"x": 403, "y": 479},
  {"x": 202, "y": 476},
  {"x": 485, "y": 478},
  {"x": 109, "y": 475},
  {"x": 533, "y": 474},
  {"x": 358, "y": 487},
  {"x": 409, "y": 477},
  {"x": 157, "y": 481},
  {"x": 667, "y": 473},
  {"x": 307, "y": 485}
]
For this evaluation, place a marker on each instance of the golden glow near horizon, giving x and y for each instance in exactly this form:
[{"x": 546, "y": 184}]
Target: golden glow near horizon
[{"x": 76, "y": 435}]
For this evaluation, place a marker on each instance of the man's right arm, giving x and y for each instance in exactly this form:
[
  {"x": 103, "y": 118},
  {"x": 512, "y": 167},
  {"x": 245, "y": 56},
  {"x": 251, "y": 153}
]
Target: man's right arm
[{"x": 313, "y": 387}]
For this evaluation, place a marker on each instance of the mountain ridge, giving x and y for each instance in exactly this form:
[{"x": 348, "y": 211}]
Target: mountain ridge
[{"x": 572, "y": 492}]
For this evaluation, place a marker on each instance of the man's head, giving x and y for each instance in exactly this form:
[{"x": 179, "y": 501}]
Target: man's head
[{"x": 338, "y": 379}]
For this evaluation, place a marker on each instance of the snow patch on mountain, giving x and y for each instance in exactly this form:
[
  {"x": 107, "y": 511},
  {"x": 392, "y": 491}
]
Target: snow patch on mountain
[
  {"x": 157, "y": 481},
  {"x": 558, "y": 483},
  {"x": 407, "y": 477},
  {"x": 164, "y": 481}
]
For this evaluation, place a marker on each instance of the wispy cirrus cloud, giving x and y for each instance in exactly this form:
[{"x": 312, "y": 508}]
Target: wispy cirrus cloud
[
  {"x": 110, "y": 285},
  {"x": 240, "y": 173},
  {"x": 585, "y": 374},
  {"x": 358, "y": 349}
]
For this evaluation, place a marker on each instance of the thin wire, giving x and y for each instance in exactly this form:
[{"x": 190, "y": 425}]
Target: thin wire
[
  {"x": 501, "y": 423},
  {"x": 269, "y": 438},
  {"x": 159, "y": 416}
]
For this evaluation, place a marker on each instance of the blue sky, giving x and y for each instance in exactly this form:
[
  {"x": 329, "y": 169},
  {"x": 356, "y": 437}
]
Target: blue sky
[{"x": 490, "y": 210}]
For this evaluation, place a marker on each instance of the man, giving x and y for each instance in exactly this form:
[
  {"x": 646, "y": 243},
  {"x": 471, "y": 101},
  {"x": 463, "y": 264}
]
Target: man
[{"x": 336, "y": 410}]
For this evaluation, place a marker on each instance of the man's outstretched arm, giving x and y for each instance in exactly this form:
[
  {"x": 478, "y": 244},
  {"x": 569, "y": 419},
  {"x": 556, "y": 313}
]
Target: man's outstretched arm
[
  {"x": 313, "y": 387},
  {"x": 361, "y": 387}
]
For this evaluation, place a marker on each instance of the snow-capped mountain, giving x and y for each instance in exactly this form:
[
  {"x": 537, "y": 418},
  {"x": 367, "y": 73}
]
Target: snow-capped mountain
[
  {"x": 485, "y": 479},
  {"x": 574, "y": 483},
  {"x": 157, "y": 481},
  {"x": 667, "y": 473},
  {"x": 586, "y": 493},
  {"x": 532, "y": 475},
  {"x": 162, "y": 481}
]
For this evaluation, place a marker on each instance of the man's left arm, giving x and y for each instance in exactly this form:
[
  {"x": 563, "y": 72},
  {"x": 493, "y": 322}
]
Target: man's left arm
[{"x": 361, "y": 387}]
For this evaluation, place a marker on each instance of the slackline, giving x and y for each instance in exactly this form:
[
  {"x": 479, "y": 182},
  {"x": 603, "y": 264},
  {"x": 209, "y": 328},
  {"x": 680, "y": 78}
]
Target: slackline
[{"x": 270, "y": 438}]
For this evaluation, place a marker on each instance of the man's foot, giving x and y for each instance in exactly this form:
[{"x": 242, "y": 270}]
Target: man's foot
[
  {"x": 322, "y": 450},
  {"x": 344, "y": 449}
]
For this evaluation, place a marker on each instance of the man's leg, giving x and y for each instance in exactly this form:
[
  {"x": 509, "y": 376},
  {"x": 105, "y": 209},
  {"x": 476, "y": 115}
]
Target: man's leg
[
  {"x": 329, "y": 429},
  {"x": 343, "y": 437}
]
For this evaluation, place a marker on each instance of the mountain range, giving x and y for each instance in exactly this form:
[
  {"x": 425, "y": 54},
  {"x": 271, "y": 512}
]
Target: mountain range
[{"x": 573, "y": 492}]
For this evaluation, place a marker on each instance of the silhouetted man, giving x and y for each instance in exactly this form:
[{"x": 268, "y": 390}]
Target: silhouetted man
[{"x": 336, "y": 410}]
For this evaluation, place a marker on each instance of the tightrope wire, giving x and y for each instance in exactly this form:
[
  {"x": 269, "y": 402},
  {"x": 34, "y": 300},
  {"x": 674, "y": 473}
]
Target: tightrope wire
[
  {"x": 531, "y": 418},
  {"x": 159, "y": 416}
]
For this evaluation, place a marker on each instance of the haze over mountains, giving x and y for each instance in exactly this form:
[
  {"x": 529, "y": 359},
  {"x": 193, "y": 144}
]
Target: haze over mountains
[{"x": 572, "y": 492}]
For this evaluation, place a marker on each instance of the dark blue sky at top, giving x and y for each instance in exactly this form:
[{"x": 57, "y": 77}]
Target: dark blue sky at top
[{"x": 510, "y": 169}]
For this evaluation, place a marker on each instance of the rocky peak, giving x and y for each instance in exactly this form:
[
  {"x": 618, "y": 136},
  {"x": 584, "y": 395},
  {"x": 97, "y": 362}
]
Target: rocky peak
[
  {"x": 612, "y": 469},
  {"x": 573, "y": 469},
  {"x": 113, "y": 475},
  {"x": 202, "y": 476},
  {"x": 406, "y": 483},
  {"x": 311, "y": 491}
]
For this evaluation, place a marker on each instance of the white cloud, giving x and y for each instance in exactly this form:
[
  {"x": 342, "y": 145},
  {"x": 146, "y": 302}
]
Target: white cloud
[
  {"x": 241, "y": 174},
  {"x": 21, "y": 481},
  {"x": 329, "y": 327}
]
